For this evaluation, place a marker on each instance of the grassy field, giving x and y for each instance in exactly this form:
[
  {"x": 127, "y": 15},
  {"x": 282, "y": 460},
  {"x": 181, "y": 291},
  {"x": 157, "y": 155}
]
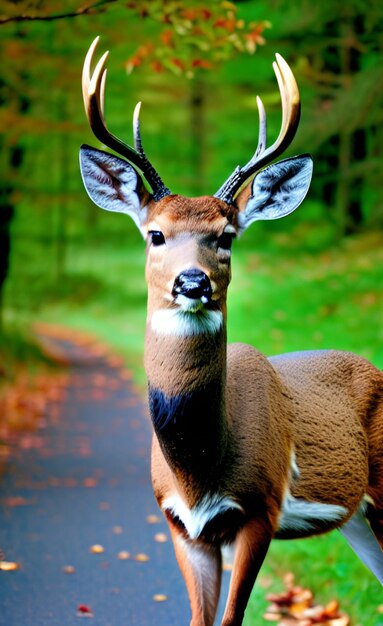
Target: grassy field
[{"x": 292, "y": 289}]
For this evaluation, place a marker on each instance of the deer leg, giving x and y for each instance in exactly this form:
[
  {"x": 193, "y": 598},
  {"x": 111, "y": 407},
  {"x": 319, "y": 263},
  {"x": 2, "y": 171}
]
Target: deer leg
[
  {"x": 251, "y": 547},
  {"x": 201, "y": 567},
  {"x": 357, "y": 531}
]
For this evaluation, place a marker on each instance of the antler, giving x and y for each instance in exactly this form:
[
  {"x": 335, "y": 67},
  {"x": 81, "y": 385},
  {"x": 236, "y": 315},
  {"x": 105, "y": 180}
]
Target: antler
[
  {"x": 290, "y": 119},
  {"x": 93, "y": 88}
]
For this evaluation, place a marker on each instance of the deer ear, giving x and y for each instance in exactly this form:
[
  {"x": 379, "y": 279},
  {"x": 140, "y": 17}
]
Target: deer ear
[
  {"x": 275, "y": 191},
  {"x": 113, "y": 184}
]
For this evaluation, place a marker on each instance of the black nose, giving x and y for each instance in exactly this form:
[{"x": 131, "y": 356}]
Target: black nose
[{"x": 192, "y": 284}]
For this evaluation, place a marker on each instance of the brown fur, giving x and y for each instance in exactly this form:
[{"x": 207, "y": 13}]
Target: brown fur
[{"x": 191, "y": 213}]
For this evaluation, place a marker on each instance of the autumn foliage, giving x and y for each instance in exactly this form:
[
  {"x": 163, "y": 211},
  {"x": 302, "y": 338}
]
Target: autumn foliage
[
  {"x": 295, "y": 606},
  {"x": 194, "y": 38}
]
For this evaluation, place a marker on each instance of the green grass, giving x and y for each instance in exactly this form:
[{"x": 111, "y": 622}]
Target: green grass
[
  {"x": 288, "y": 298},
  {"x": 293, "y": 288}
]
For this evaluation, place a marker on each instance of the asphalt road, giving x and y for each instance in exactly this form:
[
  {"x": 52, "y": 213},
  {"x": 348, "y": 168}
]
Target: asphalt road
[{"x": 77, "y": 513}]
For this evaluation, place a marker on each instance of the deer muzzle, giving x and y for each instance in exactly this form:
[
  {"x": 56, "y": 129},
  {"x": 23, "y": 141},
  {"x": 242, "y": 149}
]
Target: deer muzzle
[{"x": 193, "y": 284}]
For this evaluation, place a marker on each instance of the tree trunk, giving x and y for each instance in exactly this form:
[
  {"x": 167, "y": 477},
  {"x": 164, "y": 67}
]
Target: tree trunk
[
  {"x": 12, "y": 159},
  {"x": 198, "y": 134},
  {"x": 344, "y": 191}
]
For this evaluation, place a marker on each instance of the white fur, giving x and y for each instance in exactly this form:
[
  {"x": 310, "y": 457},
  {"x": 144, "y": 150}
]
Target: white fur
[
  {"x": 196, "y": 519},
  {"x": 200, "y": 560},
  {"x": 181, "y": 323},
  {"x": 297, "y": 514},
  {"x": 206, "y": 574},
  {"x": 295, "y": 472},
  {"x": 191, "y": 305}
]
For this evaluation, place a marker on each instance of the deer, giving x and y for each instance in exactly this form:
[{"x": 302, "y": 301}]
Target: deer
[{"x": 245, "y": 448}]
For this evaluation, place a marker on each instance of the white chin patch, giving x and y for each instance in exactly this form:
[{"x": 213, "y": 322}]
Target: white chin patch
[
  {"x": 186, "y": 322},
  {"x": 191, "y": 305}
]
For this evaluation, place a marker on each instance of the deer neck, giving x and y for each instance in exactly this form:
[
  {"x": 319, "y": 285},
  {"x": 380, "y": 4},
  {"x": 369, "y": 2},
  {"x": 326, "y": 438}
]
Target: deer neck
[{"x": 186, "y": 380}]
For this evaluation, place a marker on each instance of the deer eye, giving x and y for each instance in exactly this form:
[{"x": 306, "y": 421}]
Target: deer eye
[
  {"x": 225, "y": 241},
  {"x": 156, "y": 237}
]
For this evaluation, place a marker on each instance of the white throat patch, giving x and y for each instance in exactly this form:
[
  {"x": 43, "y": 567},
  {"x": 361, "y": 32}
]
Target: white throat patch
[
  {"x": 196, "y": 519},
  {"x": 181, "y": 323}
]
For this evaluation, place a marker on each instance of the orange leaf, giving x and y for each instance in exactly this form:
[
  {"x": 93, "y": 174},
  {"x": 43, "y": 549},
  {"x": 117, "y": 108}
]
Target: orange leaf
[{"x": 9, "y": 566}]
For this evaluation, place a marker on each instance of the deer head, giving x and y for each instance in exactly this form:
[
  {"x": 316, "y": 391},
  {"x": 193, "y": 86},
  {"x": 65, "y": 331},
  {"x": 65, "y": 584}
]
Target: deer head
[{"x": 189, "y": 239}]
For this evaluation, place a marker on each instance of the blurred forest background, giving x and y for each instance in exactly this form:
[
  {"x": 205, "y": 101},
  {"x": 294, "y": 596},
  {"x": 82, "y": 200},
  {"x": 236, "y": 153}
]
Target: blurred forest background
[{"x": 311, "y": 281}]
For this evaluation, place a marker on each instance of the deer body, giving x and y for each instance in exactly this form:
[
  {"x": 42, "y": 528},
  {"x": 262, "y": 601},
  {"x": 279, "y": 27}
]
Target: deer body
[{"x": 245, "y": 448}]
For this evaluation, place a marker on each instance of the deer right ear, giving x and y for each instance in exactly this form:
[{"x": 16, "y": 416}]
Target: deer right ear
[
  {"x": 275, "y": 191},
  {"x": 113, "y": 184}
]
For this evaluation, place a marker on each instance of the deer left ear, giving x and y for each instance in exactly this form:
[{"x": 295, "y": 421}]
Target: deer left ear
[
  {"x": 275, "y": 191},
  {"x": 113, "y": 184}
]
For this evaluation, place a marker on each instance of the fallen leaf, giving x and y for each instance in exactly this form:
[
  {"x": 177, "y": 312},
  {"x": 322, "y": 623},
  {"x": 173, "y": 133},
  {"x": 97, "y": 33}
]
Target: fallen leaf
[
  {"x": 68, "y": 569},
  {"x": 153, "y": 519},
  {"x": 14, "y": 501},
  {"x": 160, "y": 538},
  {"x": 96, "y": 549},
  {"x": 141, "y": 557},
  {"x": 90, "y": 482},
  {"x": 84, "y": 611},
  {"x": 291, "y": 621},
  {"x": 9, "y": 566},
  {"x": 123, "y": 555},
  {"x": 295, "y": 607},
  {"x": 342, "y": 620},
  {"x": 160, "y": 597},
  {"x": 281, "y": 599},
  {"x": 332, "y": 608}
]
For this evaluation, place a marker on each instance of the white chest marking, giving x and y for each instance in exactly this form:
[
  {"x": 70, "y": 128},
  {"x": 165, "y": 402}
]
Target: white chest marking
[
  {"x": 195, "y": 519},
  {"x": 184, "y": 323}
]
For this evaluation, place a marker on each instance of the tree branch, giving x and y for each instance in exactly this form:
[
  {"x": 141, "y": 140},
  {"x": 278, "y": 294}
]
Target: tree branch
[{"x": 86, "y": 10}]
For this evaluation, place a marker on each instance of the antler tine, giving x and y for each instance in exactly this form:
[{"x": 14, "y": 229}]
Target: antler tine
[
  {"x": 261, "y": 147},
  {"x": 86, "y": 73},
  {"x": 290, "y": 104},
  {"x": 96, "y": 91},
  {"x": 136, "y": 129},
  {"x": 102, "y": 92},
  {"x": 93, "y": 86},
  {"x": 289, "y": 92}
]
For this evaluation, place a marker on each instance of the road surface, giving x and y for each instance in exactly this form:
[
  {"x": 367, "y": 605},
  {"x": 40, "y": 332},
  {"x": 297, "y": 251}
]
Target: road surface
[{"x": 77, "y": 514}]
